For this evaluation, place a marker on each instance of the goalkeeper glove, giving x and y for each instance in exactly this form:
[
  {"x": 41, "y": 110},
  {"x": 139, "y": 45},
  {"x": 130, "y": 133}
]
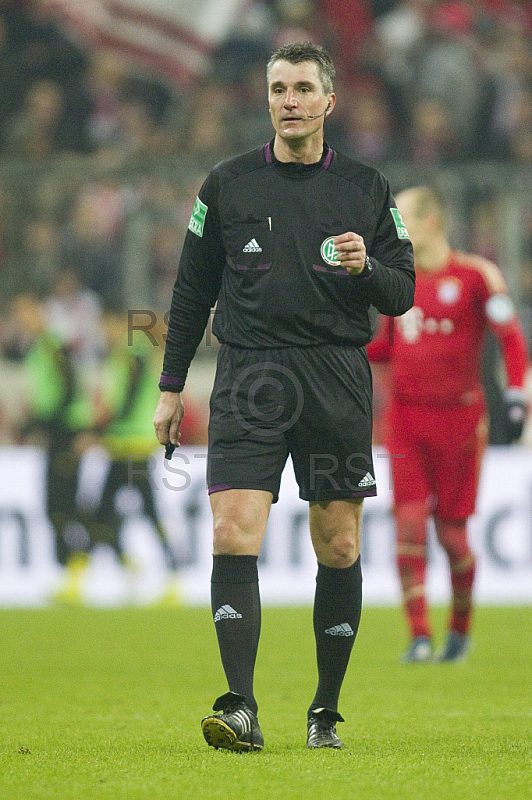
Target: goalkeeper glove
[{"x": 516, "y": 406}]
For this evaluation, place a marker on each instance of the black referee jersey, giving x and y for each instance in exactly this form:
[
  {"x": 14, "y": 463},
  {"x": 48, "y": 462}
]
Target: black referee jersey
[{"x": 259, "y": 247}]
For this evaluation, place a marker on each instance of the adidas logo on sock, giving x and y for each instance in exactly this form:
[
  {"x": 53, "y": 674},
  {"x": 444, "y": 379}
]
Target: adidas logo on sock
[
  {"x": 367, "y": 480},
  {"x": 252, "y": 247},
  {"x": 226, "y": 612},
  {"x": 344, "y": 629}
]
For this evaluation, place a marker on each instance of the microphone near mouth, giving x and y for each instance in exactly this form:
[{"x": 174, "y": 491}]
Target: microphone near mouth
[
  {"x": 313, "y": 116},
  {"x": 317, "y": 116}
]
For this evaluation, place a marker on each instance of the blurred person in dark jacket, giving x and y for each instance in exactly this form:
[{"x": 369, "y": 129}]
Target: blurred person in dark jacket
[{"x": 58, "y": 417}]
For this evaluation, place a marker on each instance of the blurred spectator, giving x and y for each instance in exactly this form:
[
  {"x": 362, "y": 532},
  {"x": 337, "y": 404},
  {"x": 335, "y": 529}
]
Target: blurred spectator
[
  {"x": 57, "y": 415},
  {"x": 207, "y": 137},
  {"x": 129, "y": 378},
  {"x": 137, "y": 131},
  {"x": 299, "y": 21},
  {"x": 482, "y": 219},
  {"x": 251, "y": 126},
  {"x": 433, "y": 139},
  {"x": 4, "y": 204},
  {"x": 400, "y": 31},
  {"x": 369, "y": 127},
  {"x": 343, "y": 26},
  {"x": 398, "y": 35},
  {"x": 74, "y": 316},
  {"x": 248, "y": 43},
  {"x": 127, "y": 112},
  {"x": 33, "y": 50},
  {"x": 165, "y": 247},
  {"x": 91, "y": 241},
  {"x": 43, "y": 50},
  {"x": 521, "y": 144},
  {"x": 105, "y": 81},
  {"x": 9, "y": 67},
  {"x": 37, "y": 131},
  {"x": 448, "y": 72},
  {"x": 42, "y": 254},
  {"x": 513, "y": 88}
]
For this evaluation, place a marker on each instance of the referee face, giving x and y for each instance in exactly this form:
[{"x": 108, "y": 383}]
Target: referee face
[{"x": 295, "y": 95}]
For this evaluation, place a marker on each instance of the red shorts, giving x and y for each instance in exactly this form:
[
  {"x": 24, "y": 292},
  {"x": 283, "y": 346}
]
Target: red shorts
[{"x": 436, "y": 456}]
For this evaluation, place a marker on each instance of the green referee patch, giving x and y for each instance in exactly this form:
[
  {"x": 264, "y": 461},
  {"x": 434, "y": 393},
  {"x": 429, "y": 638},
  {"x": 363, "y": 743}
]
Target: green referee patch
[
  {"x": 328, "y": 252},
  {"x": 197, "y": 220},
  {"x": 402, "y": 232}
]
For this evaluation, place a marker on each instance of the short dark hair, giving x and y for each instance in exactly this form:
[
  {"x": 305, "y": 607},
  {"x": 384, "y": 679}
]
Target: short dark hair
[{"x": 298, "y": 52}]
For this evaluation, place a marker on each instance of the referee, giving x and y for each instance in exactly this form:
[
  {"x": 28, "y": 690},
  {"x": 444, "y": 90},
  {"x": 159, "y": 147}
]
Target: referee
[{"x": 296, "y": 245}]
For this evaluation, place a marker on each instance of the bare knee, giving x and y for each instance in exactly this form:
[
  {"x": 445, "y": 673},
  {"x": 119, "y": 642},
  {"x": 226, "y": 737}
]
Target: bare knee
[
  {"x": 338, "y": 551},
  {"x": 335, "y": 532},
  {"x": 230, "y": 538},
  {"x": 342, "y": 552},
  {"x": 240, "y": 518}
]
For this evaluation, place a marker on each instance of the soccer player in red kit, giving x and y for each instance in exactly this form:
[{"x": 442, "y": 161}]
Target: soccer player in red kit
[{"x": 436, "y": 422}]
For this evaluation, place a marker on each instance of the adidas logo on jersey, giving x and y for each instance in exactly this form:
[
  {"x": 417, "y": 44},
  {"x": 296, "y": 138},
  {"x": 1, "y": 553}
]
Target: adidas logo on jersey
[
  {"x": 252, "y": 247},
  {"x": 367, "y": 480},
  {"x": 344, "y": 629},
  {"x": 226, "y": 612}
]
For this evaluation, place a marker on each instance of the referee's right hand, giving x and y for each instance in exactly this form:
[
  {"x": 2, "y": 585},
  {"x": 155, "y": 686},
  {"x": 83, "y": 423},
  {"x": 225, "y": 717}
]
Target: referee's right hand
[{"x": 167, "y": 417}]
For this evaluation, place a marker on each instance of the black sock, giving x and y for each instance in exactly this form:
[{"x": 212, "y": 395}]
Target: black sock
[
  {"x": 235, "y": 603},
  {"x": 337, "y": 607}
]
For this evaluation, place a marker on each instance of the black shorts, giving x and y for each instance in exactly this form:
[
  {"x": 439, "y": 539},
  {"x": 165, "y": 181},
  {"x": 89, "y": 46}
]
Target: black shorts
[{"x": 314, "y": 403}]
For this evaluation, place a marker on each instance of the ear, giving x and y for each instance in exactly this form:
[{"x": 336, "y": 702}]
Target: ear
[{"x": 331, "y": 102}]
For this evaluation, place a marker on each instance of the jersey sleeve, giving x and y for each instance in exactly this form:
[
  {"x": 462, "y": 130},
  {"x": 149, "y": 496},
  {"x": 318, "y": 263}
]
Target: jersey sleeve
[
  {"x": 511, "y": 337},
  {"x": 391, "y": 284},
  {"x": 196, "y": 288},
  {"x": 503, "y": 320}
]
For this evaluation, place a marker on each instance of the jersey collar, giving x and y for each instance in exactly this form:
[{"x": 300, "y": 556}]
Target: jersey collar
[{"x": 324, "y": 162}]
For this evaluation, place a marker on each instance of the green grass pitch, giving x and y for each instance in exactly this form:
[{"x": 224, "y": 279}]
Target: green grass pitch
[{"x": 106, "y": 705}]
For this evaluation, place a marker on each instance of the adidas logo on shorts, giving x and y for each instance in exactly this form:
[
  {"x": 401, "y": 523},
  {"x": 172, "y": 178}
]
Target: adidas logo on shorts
[
  {"x": 367, "y": 480},
  {"x": 226, "y": 612}
]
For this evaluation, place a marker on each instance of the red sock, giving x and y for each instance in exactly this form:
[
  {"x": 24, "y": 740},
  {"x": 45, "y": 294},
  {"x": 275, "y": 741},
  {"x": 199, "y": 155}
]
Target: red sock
[
  {"x": 453, "y": 538},
  {"x": 411, "y": 522},
  {"x": 462, "y": 579}
]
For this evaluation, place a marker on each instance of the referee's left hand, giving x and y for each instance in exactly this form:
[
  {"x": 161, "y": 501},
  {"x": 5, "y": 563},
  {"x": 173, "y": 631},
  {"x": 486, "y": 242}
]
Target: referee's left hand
[{"x": 351, "y": 251}]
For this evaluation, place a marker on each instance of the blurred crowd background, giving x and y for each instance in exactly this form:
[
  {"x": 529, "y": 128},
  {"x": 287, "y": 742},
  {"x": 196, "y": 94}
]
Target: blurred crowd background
[{"x": 101, "y": 159}]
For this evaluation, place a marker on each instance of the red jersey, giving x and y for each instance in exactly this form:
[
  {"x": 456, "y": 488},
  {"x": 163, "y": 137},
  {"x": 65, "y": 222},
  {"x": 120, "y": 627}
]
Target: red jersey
[{"x": 436, "y": 347}]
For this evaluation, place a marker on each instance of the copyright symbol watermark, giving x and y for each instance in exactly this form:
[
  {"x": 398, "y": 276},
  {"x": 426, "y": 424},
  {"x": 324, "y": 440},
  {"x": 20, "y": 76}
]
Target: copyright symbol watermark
[{"x": 261, "y": 402}]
